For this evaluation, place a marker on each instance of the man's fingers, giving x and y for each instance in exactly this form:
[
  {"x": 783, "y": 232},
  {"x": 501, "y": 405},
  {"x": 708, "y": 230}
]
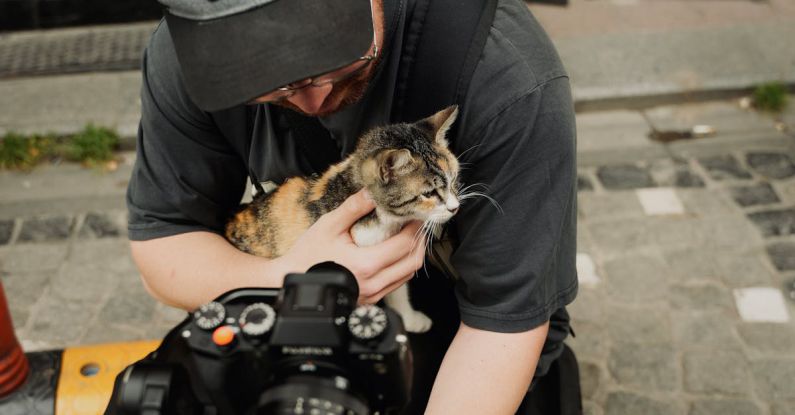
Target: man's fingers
[
  {"x": 391, "y": 277},
  {"x": 354, "y": 207}
]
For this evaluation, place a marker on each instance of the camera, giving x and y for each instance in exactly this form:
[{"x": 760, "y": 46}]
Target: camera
[{"x": 304, "y": 349}]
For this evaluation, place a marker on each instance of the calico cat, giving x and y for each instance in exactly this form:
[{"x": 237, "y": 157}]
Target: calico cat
[{"x": 407, "y": 169}]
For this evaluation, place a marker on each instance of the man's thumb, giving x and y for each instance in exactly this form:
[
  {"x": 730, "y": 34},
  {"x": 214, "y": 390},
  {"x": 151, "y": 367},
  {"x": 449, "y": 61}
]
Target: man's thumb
[{"x": 353, "y": 208}]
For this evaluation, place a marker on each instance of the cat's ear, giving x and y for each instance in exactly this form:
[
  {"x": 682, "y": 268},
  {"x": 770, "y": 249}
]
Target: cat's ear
[
  {"x": 394, "y": 163},
  {"x": 441, "y": 122}
]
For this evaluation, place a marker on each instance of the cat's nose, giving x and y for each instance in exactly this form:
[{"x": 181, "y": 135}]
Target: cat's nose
[
  {"x": 452, "y": 205},
  {"x": 453, "y": 210}
]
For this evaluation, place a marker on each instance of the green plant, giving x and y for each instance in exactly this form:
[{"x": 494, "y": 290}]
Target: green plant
[
  {"x": 92, "y": 145},
  {"x": 18, "y": 152},
  {"x": 771, "y": 97}
]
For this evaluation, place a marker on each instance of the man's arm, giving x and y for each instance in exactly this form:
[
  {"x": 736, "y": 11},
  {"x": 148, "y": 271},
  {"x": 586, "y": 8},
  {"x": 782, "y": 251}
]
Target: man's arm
[{"x": 486, "y": 372}]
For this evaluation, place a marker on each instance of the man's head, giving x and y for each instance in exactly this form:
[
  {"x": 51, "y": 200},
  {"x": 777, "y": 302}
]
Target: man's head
[{"x": 237, "y": 51}]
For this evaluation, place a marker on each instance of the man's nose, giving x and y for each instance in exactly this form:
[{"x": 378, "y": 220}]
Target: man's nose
[{"x": 311, "y": 98}]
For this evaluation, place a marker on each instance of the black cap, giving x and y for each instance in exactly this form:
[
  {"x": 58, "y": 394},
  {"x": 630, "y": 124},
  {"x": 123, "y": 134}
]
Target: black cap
[{"x": 232, "y": 51}]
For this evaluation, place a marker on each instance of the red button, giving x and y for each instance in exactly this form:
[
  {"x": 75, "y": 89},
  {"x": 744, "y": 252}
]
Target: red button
[{"x": 224, "y": 336}]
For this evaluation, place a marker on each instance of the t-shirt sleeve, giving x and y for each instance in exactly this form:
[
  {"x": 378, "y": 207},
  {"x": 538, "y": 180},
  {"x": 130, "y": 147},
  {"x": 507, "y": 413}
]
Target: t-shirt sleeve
[
  {"x": 517, "y": 262},
  {"x": 186, "y": 177}
]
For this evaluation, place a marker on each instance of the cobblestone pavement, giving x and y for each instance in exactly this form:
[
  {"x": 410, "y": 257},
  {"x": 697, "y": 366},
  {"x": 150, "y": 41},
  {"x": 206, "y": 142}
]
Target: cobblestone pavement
[{"x": 686, "y": 262}]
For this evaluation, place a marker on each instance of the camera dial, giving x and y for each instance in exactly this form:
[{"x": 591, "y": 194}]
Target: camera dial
[
  {"x": 257, "y": 319},
  {"x": 210, "y": 315},
  {"x": 367, "y": 322}
]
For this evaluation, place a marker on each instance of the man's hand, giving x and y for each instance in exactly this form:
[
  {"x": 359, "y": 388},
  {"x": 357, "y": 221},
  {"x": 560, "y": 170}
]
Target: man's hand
[{"x": 379, "y": 269}]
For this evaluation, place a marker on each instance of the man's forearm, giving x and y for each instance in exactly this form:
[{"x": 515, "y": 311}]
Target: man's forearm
[
  {"x": 191, "y": 269},
  {"x": 485, "y": 372}
]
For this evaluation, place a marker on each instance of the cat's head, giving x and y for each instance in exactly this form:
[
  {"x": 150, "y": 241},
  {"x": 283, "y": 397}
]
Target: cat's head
[{"x": 409, "y": 170}]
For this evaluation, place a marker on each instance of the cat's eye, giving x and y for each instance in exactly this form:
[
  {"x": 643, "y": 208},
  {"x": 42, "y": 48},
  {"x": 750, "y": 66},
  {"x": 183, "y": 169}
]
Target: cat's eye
[{"x": 430, "y": 193}]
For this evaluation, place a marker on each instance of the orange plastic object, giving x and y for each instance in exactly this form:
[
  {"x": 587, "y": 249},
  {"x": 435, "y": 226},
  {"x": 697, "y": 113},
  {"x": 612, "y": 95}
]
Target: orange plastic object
[
  {"x": 224, "y": 335},
  {"x": 13, "y": 364},
  {"x": 87, "y": 375}
]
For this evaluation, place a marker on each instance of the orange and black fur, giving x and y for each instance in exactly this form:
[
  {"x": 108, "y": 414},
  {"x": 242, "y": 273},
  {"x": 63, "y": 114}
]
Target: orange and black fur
[{"x": 407, "y": 169}]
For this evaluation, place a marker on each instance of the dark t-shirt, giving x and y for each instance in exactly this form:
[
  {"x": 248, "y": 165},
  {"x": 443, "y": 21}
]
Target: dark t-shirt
[{"x": 516, "y": 136}]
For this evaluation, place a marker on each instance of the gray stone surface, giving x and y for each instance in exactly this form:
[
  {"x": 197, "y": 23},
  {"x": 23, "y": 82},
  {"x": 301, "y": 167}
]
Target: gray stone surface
[
  {"x": 768, "y": 337},
  {"x": 713, "y": 372},
  {"x": 757, "y": 194},
  {"x": 773, "y": 378},
  {"x": 774, "y": 222},
  {"x": 104, "y": 225},
  {"x": 783, "y": 408},
  {"x": 705, "y": 331},
  {"x": 724, "y": 168},
  {"x": 46, "y": 229},
  {"x": 771, "y": 165},
  {"x": 6, "y": 229},
  {"x": 636, "y": 280},
  {"x": 32, "y": 257},
  {"x": 783, "y": 255},
  {"x": 638, "y": 325},
  {"x": 646, "y": 366},
  {"x": 625, "y": 176},
  {"x": 726, "y": 117},
  {"x": 724, "y": 407},
  {"x": 624, "y": 403},
  {"x": 584, "y": 183},
  {"x": 590, "y": 378},
  {"x": 700, "y": 297},
  {"x": 598, "y": 207},
  {"x": 675, "y": 173}
]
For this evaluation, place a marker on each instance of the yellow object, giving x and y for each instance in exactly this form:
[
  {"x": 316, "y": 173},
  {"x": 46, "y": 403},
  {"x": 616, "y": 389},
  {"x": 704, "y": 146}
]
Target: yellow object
[{"x": 88, "y": 372}]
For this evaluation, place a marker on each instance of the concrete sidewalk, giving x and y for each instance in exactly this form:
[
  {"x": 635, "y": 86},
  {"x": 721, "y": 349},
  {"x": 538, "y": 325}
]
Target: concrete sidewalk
[{"x": 619, "y": 53}]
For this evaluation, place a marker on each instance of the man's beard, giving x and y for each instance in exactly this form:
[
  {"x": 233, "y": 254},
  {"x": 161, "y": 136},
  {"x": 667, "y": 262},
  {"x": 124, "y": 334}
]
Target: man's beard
[{"x": 343, "y": 93}]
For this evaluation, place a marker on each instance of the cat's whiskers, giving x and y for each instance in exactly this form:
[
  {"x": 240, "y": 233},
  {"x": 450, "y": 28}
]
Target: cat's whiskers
[{"x": 465, "y": 194}]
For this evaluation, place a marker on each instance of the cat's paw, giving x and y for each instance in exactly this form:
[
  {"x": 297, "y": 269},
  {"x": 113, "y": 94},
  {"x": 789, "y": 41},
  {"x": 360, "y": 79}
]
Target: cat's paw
[{"x": 416, "y": 322}]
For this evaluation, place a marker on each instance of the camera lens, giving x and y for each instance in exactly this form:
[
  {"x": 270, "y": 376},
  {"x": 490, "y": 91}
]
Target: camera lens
[{"x": 310, "y": 395}]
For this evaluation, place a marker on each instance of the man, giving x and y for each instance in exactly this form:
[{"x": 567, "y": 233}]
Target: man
[{"x": 221, "y": 79}]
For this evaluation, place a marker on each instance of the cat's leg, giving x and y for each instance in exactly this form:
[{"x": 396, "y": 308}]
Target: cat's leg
[{"x": 414, "y": 321}]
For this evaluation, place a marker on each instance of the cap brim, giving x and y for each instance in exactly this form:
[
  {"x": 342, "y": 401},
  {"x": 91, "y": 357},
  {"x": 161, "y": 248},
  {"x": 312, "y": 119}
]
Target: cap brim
[{"x": 234, "y": 59}]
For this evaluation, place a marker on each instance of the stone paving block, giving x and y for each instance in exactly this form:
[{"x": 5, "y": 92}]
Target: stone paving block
[
  {"x": 753, "y": 195},
  {"x": 590, "y": 378},
  {"x": 636, "y": 279},
  {"x": 674, "y": 173},
  {"x": 169, "y": 315},
  {"x": 598, "y": 207},
  {"x": 726, "y": 117},
  {"x": 625, "y": 403},
  {"x": 112, "y": 333},
  {"x": 617, "y": 238},
  {"x": 705, "y": 232},
  {"x": 725, "y": 407},
  {"x": 778, "y": 222},
  {"x": 707, "y": 202},
  {"x": 660, "y": 202},
  {"x": 590, "y": 341},
  {"x": 716, "y": 372},
  {"x": 586, "y": 271},
  {"x": 692, "y": 265},
  {"x": 761, "y": 305},
  {"x": 612, "y": 130},
  {"x": 647, "y": 366},
  {"x": 6, "y": 229},
  {"x": 738, "y": 270},
  {"x": 773, "y": 378},
  {"x": 785, "y": 190},
  {"x": 624, "y": 177},
  {"x": 783, "y": 408},
  {"x": 130, "y": 304},
  {"x": 591, "y": 408},
  {"x": 724, "y": 168},
  {"x": 42, "y": 229},
  {"x": 83, "y": 282},
  {"x": 589, "y": 306},
  {"x": 22, "y": 292},
  {"x": 31, "y": 258},
  {"x": 60, "y": 323},
  {"x": 704, "y": 331},
  {"x": 638, "y": 325},
  {"x": 771, "y": 165},
  {"x": 700, "y": 297},
  {"x": 584, "y": 183},
  {"x": 768, "y": 337},
  {"x": 115, "y": 252},
  {"x": 104, "y": 225},
  {"x": 783, "y": 255}
]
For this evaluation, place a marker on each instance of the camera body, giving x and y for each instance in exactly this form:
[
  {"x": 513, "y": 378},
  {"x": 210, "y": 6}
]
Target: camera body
[{"x": 304, "y": 349}]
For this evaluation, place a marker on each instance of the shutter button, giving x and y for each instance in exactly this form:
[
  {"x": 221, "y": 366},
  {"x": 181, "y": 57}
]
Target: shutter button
[{"x": 224, "y": 336}]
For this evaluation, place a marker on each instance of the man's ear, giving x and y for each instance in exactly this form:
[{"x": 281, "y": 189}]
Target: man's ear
[
  {"x": 394, "y": 163},
  {"x": 441, "y": 122}
]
